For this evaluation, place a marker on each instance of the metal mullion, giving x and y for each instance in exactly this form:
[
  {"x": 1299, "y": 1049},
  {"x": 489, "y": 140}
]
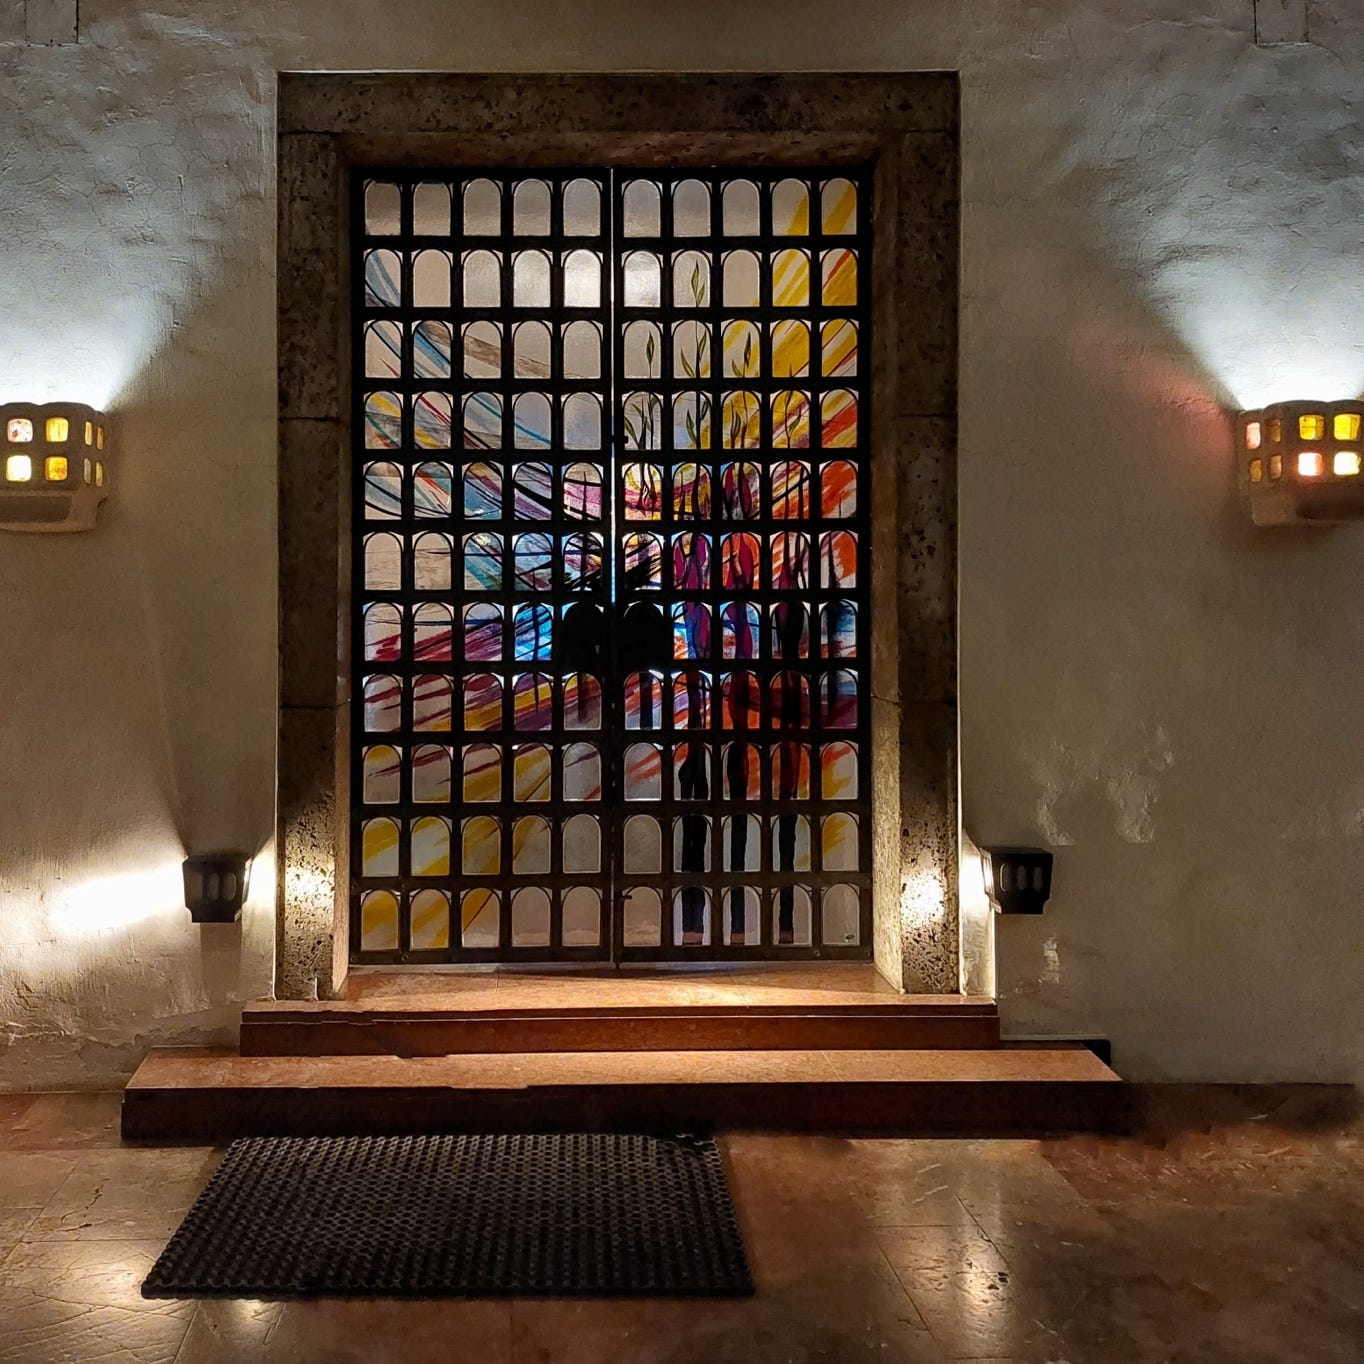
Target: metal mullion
[
  {"x": 407, "y": 445},
  {"x": 555, "y": 815},
  {"x": 709, "y": 459},
  {"x": 612, "y": 681},
  {"x": 818, "y": 456}
]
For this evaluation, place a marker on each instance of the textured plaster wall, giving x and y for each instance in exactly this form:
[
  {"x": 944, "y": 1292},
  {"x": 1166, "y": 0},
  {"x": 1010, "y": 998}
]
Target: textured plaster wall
[{"x": 1160, "y": 219}]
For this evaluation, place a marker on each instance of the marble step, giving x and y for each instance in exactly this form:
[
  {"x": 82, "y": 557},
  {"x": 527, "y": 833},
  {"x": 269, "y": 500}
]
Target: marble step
[
  {"x": 442, "y": 1026},
  {"x": 210, "y": 1095}
]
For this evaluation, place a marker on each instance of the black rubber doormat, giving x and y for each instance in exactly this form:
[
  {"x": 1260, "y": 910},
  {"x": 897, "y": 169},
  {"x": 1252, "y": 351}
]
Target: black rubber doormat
[{"x": 544, "y": 1215}]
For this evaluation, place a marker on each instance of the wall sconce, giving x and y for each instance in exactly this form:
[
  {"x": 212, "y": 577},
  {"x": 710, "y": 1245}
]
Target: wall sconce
[
  {"x": 1299, "y": 463},
  {"x": 216, "y": 886},
  {"x": 1017, "y": 880},
  {"x": 54, "y": 469}
]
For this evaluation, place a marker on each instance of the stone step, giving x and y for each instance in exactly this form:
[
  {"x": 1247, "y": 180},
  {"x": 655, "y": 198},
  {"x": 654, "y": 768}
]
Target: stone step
[
  {"x": 211, "y": 1095},
  {"x": 422, "y": 1026}
]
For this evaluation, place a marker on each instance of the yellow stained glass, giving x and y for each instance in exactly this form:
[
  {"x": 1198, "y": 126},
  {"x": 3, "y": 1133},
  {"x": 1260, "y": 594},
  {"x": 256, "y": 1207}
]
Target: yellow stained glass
[
  {"x": 430, "y": 847},
  {"x": 531, "y": 773},
  {"x": 1346, "y": 426},
  {"x": 89, "y": 433},
  {"x": 430, "y": 921},
  {"x": 99, "y": 474},
  {"x": 741, "y": 421},
  {"x": 1257, "y": 470},
  {"x": 99, "y": 438},
  {"x": 840, "y": 279},
  {"x": 1312, "y": 426},
  {"x": 379, "y": 845},
  {"x": 379, "y": 922},
  {"x": 55, "y": 468},
  {"x": 58, "y": 429},
  {"x": 18, "y": 469},
  {"x": 840, "y": 207},
  {"x": 1346, "y": 463},
  {"x": 791, "y": 279},
  {"x": 482, "y": 846},
  {"x": 840, "y": 347}
]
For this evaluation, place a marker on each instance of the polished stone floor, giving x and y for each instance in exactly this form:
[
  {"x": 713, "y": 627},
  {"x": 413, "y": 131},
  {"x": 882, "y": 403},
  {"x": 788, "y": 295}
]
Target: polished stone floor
[{"x": 1232, "y": 1231}]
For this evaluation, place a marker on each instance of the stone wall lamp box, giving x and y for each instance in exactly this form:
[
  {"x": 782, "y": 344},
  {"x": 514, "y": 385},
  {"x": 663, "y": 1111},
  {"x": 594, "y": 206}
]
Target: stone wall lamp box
[
  {"x": 53, "y": 466},
  {"x": 1298, "y": 463}
]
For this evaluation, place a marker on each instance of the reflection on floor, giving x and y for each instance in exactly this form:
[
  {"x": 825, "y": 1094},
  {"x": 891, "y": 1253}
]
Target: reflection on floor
[
  {"x": 528, "y": 987},
  {"x": 1222, "y": 1235}
]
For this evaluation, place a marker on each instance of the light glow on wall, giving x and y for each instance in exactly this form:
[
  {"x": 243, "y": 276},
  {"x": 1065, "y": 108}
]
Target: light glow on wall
[{"x": 109, "y": 902}]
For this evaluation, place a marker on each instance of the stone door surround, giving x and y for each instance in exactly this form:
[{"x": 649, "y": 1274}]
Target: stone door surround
[{"x": 906, "y": 127}]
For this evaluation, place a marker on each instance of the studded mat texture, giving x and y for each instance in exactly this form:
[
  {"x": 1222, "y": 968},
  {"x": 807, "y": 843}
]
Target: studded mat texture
[{"x": 459, "y": 1216}]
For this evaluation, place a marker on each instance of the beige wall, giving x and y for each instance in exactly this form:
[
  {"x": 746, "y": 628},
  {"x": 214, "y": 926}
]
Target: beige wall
[{"x": 1160, "y": 220}]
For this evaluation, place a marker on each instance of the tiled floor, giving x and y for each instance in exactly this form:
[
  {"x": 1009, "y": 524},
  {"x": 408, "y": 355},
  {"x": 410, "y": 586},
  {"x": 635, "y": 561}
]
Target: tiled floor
[{"x": 1231, "y": 1236}]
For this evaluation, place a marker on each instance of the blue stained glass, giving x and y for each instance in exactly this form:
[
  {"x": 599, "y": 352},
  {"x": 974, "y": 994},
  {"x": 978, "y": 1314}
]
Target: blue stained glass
[
  {"x": 482, "y": 632},
  {"x": 532, "y": 493},
  {"x": 739, "y": 630},
  {"x": 483, "y": 562},
  {"x": 582, "y": 558},
  {"x": 534, "y": 632},
  {"x": 483, "y": 421},
  {"x": 482, "y": 493},
  {"x": 533, "y": 563},
  {"x": 431, "y": 350},
  {"x": 691, "y": 630}
]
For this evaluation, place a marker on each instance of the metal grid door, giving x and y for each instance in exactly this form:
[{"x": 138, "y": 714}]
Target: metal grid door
[{"x": 610, "y": 571}]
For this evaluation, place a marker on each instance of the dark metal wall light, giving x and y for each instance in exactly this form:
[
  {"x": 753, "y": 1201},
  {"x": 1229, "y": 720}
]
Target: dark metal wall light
[
  {"x": 1017, "y": 880},
  {"x": 216, "y": 886}
]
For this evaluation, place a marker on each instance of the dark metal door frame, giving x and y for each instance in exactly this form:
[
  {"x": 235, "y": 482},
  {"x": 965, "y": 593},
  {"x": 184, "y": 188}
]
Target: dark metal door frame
[{"x": 770, "y": 722}]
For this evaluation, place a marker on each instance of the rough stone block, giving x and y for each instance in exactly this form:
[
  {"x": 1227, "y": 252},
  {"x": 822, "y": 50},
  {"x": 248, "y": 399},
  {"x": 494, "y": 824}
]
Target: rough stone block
[
  {"x": 314, "y": 588},
  {"x": 312, "y": 827},
  {"x": 927, "y": 558},
  {"x": 927, "y": 253},
  {"x": 313, "y": 294}
]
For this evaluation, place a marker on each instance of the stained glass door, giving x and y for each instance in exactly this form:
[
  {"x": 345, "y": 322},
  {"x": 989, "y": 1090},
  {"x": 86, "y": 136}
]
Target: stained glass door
[{"x": 610, "y": 567}]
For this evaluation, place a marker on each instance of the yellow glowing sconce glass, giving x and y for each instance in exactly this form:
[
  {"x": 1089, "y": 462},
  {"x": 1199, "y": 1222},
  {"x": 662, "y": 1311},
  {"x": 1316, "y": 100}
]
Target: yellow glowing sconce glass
[
  {"x": 18, "y": 468},
  {"x": 1346, "y": 426},
  {"x": 1309, "y": 463},
  {"x": 99, "y": 473},
  {"x": 1312, "y": 426},
  {"x": 55, "y": 468},
  {"x": 1257, "y": 471},
  {"x": 58, "y": 430}
]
